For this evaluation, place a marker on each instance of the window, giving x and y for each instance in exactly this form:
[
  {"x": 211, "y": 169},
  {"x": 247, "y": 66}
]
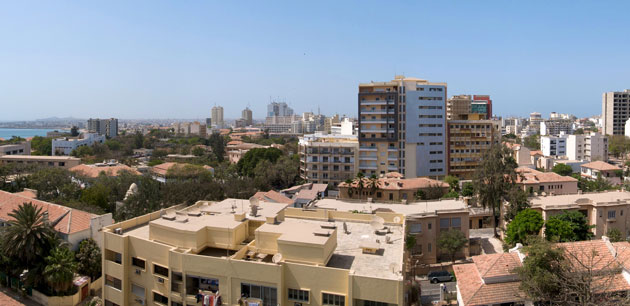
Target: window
[
  {"x": 429, "y": 225},
  {"x": 267, "y": 294},
  {"x": 113, "y": 282},
  {"x": 138, "y": 291},
  {"x": 160, "y": 270},
  {"x": 108, "y": 303},
  {"x": 299, "y": 295},
  {"x": 444, "y": 223},
  {"x": 333, "y": 299},
  {"x": 158, "y": 298},
  {"x": 372, "y": 303},
  {"x": 415, "y": 228},
  {"x": 456, "y": 222},
  {"x": 137, "y": 262},
  {"x": 176, "y": 304},
  {"x": 113, "y": 256},
  {"x": 612, "y": 214},
  {"x": 429, "y": 247}
]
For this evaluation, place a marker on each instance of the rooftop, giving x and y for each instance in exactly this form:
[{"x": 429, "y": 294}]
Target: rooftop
[
  {"x": 38, "y": 157},
  {"x": 272, "y": 196},
  {"x": 614, "y": 197},
  {"x": 532, "y": 176},
  {"x": 95, "y": 170},
  {"x": 601, "y": 166},
  {"x": 411, "y": 209},
  {"x": 393, "y": 182}
]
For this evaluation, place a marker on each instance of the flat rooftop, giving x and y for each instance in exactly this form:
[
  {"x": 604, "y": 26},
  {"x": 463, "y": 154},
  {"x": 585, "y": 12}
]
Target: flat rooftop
[
  {"x": 39, "y": 157},
  {"x": 428, "y": 207},
  {"x": 595, "y": 198},
  {"x": 386, "y": 263},
  {"x": 238, "y": 206}
]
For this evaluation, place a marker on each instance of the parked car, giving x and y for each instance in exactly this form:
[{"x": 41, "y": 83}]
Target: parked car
[{"x": 439, "y": 276}]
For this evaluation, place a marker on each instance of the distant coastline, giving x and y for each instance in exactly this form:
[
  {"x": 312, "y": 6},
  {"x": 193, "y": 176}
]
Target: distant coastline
[{"x": 7, "y": 133}]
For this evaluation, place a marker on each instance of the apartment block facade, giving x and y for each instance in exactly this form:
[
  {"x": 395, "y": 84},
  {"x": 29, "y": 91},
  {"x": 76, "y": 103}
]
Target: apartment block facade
[
  {"x": 271, "y": 256},
  {"x": 615, "y": 111},
  {"x": 590, "y": 147},
  {"x": 216, "y": 116},
  {"x": 402, "y": 127},
  {"x": 468, "y": 140},
  {"x": 482, "y": 104},
  {"x": 457, "y": 106},
  {"x": 23, "y": 148},
  {"x": 553, "y": 145},
  {"x": 105, "y": 127},
  {"x": 328, "y": 159}
]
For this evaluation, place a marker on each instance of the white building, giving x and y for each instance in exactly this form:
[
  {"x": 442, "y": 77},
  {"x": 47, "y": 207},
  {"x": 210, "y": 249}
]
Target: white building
[
  {"x": 553, "y": 145},
  {"x": 65, "y": 146},
  {"x": 591, "y": 147},
  {"x": 627, "y": 128},
  {"x": 556, "y": 126}
]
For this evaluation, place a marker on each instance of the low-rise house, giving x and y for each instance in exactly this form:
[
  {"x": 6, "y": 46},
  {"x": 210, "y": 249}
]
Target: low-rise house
[
  {"x": 65, "y": 146},
  {"x": 305, "y": 193},
  {"x": 492, "y": 280},
  {"x": 272, "y": 196},
  {"x": 603, "y": 210},
  {"x": 161, "y": 172},
  {"x": 598, "y": 168},
  {"x": 71, "y": 224},
  {"x": 23, "y": 148},
  {"x": 392, "y": 187},
  {"x": 65, "y": 162},
  {"x": 108, "y": 169},
  {"x": 532, "y": 180},
  {"x": 236, "y": 151}
]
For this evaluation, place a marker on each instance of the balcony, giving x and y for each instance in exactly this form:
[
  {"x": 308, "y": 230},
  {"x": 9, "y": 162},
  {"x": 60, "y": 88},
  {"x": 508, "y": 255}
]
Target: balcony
[
  {"x": 375, "y": 102},
  {"x": 367, "y": 148},
  {"x": 368, "y": 157},
  {"x": 376, "y": 120},
  {"x": 378, "y": 111},
  {"x": 373, "y": 130}
]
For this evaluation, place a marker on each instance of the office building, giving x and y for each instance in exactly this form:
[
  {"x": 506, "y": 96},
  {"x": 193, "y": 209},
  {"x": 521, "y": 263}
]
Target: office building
[
  {"x": 589, "y": 147},
  {"x": 481, "y": 104},
  {"x": 402, "y": 127},
  {"x": 327, "y": 158},
  {"x": 553, "y": 145},
  {"x": 275, "y": 255},
  {"x": 246, "y": 115},
  {"x": 216, "y": 116},
  {"x": 615, "y": 111},
  {"x": 281, "y": 124},
  {"x": 279, "y": 109},
  {"x": 23, "y": 148},
  {"x": 457, "y": 106},
  {"x": 104, "y": 127},
  {"x": 65, "y": 146},
  {"x": 468, "y": 141}
]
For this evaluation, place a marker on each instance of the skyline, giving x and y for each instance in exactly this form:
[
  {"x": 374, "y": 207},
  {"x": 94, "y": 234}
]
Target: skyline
[{"x": 166, "y": 60}]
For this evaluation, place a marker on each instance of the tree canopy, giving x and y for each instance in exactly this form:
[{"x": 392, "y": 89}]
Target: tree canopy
[
  {"x": 562, "y": 169},
  {"x": 568, "y": 226},
  {"x": 451, "y": 242},
  {"x": 526, "y": 223}
]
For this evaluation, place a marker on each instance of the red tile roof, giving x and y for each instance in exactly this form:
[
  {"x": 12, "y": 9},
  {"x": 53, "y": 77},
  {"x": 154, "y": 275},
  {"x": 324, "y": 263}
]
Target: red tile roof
[
  {"x": 272, "y": 196},
  {"x": 94, "y": 170},
  {"x": 601, "y": 166},
  {"x": 70, "y": 220},
  {"x": 531, "y": 176},
  {"x": 473, "y": 289},
  {"x": 396, "y": 183}
]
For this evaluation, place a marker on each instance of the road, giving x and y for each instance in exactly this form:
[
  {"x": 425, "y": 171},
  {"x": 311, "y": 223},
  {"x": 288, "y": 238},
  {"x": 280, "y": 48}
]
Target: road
[{"x": 431, "y": 292}]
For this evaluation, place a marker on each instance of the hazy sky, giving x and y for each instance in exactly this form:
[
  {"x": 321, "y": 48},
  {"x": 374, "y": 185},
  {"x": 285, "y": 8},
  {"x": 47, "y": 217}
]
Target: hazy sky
[{"x": 176, "y": 59}]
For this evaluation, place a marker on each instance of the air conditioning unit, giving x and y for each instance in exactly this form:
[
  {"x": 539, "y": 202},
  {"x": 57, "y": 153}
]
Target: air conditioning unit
[
  {"x": 140, "y": 301},
  {"x": 138, "y": 271},
  {"x": 118, "y": 231},
  {"x": 160, "y": 280}
]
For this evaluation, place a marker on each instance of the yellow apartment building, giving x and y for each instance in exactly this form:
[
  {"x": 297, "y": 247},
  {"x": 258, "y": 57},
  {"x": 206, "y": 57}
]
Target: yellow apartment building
[
  {"x": 268, "y": 255},
  {"x": 468, "y": 140}
]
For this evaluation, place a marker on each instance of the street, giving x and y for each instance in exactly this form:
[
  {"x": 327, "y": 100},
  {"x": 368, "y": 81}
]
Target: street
[{"x": 431, "y": 292}]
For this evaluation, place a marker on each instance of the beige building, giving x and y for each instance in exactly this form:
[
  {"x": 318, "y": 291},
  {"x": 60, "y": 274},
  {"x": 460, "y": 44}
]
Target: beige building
[
  {"x": 468, "y": 140},
  {"x": 23, "y": 148},
  {"x": 611, "y": 173},
  {"x": 615, "y": 111},
  {"x": 392, "y": 187},
  {"x": 273, "y": 255},
  {"x": 328, "y": 158},
  {"x": 66, "y": 162},
  {"x": 521, "y": 154},
  {"x": 604, "y": 210},
  {"x": 458, "y": 107},
  {"x": 236, "y": 150},
  {"x": 551, "y": 183}
]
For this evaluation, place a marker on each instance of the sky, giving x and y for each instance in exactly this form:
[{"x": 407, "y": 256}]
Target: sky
[{"x": 177, "y": 59}]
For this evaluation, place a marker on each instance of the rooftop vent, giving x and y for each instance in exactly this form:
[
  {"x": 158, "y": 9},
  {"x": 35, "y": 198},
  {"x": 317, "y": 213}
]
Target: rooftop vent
[
  {"x": 170, "y": 217},
  {"x": 194, "y": 213},
  {"x": 329, "y": 226},
  {"x": 322, "y": 233},
  {"x": 181, "y": 219}
]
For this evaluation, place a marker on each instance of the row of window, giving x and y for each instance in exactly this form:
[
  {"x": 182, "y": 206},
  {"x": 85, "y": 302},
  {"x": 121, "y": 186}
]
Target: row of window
[
  {"x": 430, "y": 98},
  {"x": 430, "y": 116},
  {"x": 430, "y": 125},
  {"x": 430, "y": 134},
  {"x": 429, "y": 107}
]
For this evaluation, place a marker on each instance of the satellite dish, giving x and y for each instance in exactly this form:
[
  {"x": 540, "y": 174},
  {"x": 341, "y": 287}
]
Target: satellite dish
[
  {"x": 377, "y": 223},
  {"x": 396, "y": 219},
  {"x": 393, "y": 267},
  {"x": 254, "y": 201},
  {"x": 277, "y": 258}
]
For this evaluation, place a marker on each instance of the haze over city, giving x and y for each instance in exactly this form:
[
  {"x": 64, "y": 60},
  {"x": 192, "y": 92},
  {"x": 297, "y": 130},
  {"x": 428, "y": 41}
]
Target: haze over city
[{"x": 159, "y": 59}]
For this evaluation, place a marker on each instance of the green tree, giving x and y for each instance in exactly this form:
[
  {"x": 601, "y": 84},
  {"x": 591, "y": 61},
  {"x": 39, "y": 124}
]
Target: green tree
[
  {"x": 82, "y": 151},
  {"x": 138, "y": 140},
  {"x": 96, "y": 195},
  {"x": 53, "y": 183},
  {"x": 74, "y": 131},
  {"x": 618, "y": 145},
  {"x": 217, "y": 142},
  {"x": 579, "y": 131},
  {"x": 147, "y": 199},
  {"x": 451, "y": 242},
  {"x": 494, "y": 177},
  {"x": 113, "y": 144},
  {"x": 248, "y": 162},
  {"x": 89, "y": 259},
  {"x": 198, "y": 151},
  {"x": 28, "y": 235},
  {"x": 562, "y": 169},
  {"x": 60, "y": 269},
  {"x": 41, "y": 146},
  {"x": 568, "y": 226},
  {"x": 517, "y": 201},
  {"x": 541, "y": 270},
  {"x": 614, "y": 235},
  {"x": 526, "y": 223},
  {"x": 453, "y": 182},
  {"x": 532, "y": 142},
  {"x": 468, "y": 189}
]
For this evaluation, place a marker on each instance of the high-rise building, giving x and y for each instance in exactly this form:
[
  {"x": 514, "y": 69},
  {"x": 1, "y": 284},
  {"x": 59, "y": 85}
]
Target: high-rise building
[
  {"x": 278, "y": 109},
  {"x": 589, "y": 147},
  {"x": 468, "y": 140},
  {"x": 105, "y": 127},
  {"x": 615, "y": 111},
  {"x": 328, "y": 158},
  {"x": 457, "y": 106},
  {"x": 217, "y": 116},
  {"x": 534, "y": 120},
  {"x": 402, "y": 127},
  {"x": 482, "y": 104},
  {"x": 246, "y": 115},
  {"x": 554, "y": 145}
]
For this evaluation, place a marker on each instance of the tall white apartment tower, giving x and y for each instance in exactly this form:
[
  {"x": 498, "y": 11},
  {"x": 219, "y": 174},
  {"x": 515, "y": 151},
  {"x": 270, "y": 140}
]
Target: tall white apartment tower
[{"x": 615, "y": 111}]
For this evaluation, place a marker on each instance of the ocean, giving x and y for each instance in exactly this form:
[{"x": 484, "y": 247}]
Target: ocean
[{"x": 24, "y": 133}]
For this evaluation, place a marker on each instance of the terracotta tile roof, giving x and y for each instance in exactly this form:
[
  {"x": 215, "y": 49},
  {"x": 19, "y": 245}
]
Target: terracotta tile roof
[
  {"x": 594, "y": 252},
  {"x": 601, "y": 166},
  {"x": 28, "y": 193},
  {"x": 400, "y": 184},
  {"x": 532, "y": 176},
  {"x": 163, "y": 168},
  {"x": 69, "y": 220},
  {"x": 94, "y": 170},
  {"x": 493, "y": 265},
  {"x": 475, "y": 292},
  {"x": 272, "y": 196},
  {"x": 623, "y": 253},
  {"x": 537, "y": 152}
]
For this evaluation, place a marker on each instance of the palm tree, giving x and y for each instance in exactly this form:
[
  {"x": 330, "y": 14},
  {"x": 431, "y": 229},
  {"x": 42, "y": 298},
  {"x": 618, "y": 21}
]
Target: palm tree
[
  {"x": 60, "y": 268},
  {"x": 373, "y": 184},
  {"x": 28, "y": 235}
]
